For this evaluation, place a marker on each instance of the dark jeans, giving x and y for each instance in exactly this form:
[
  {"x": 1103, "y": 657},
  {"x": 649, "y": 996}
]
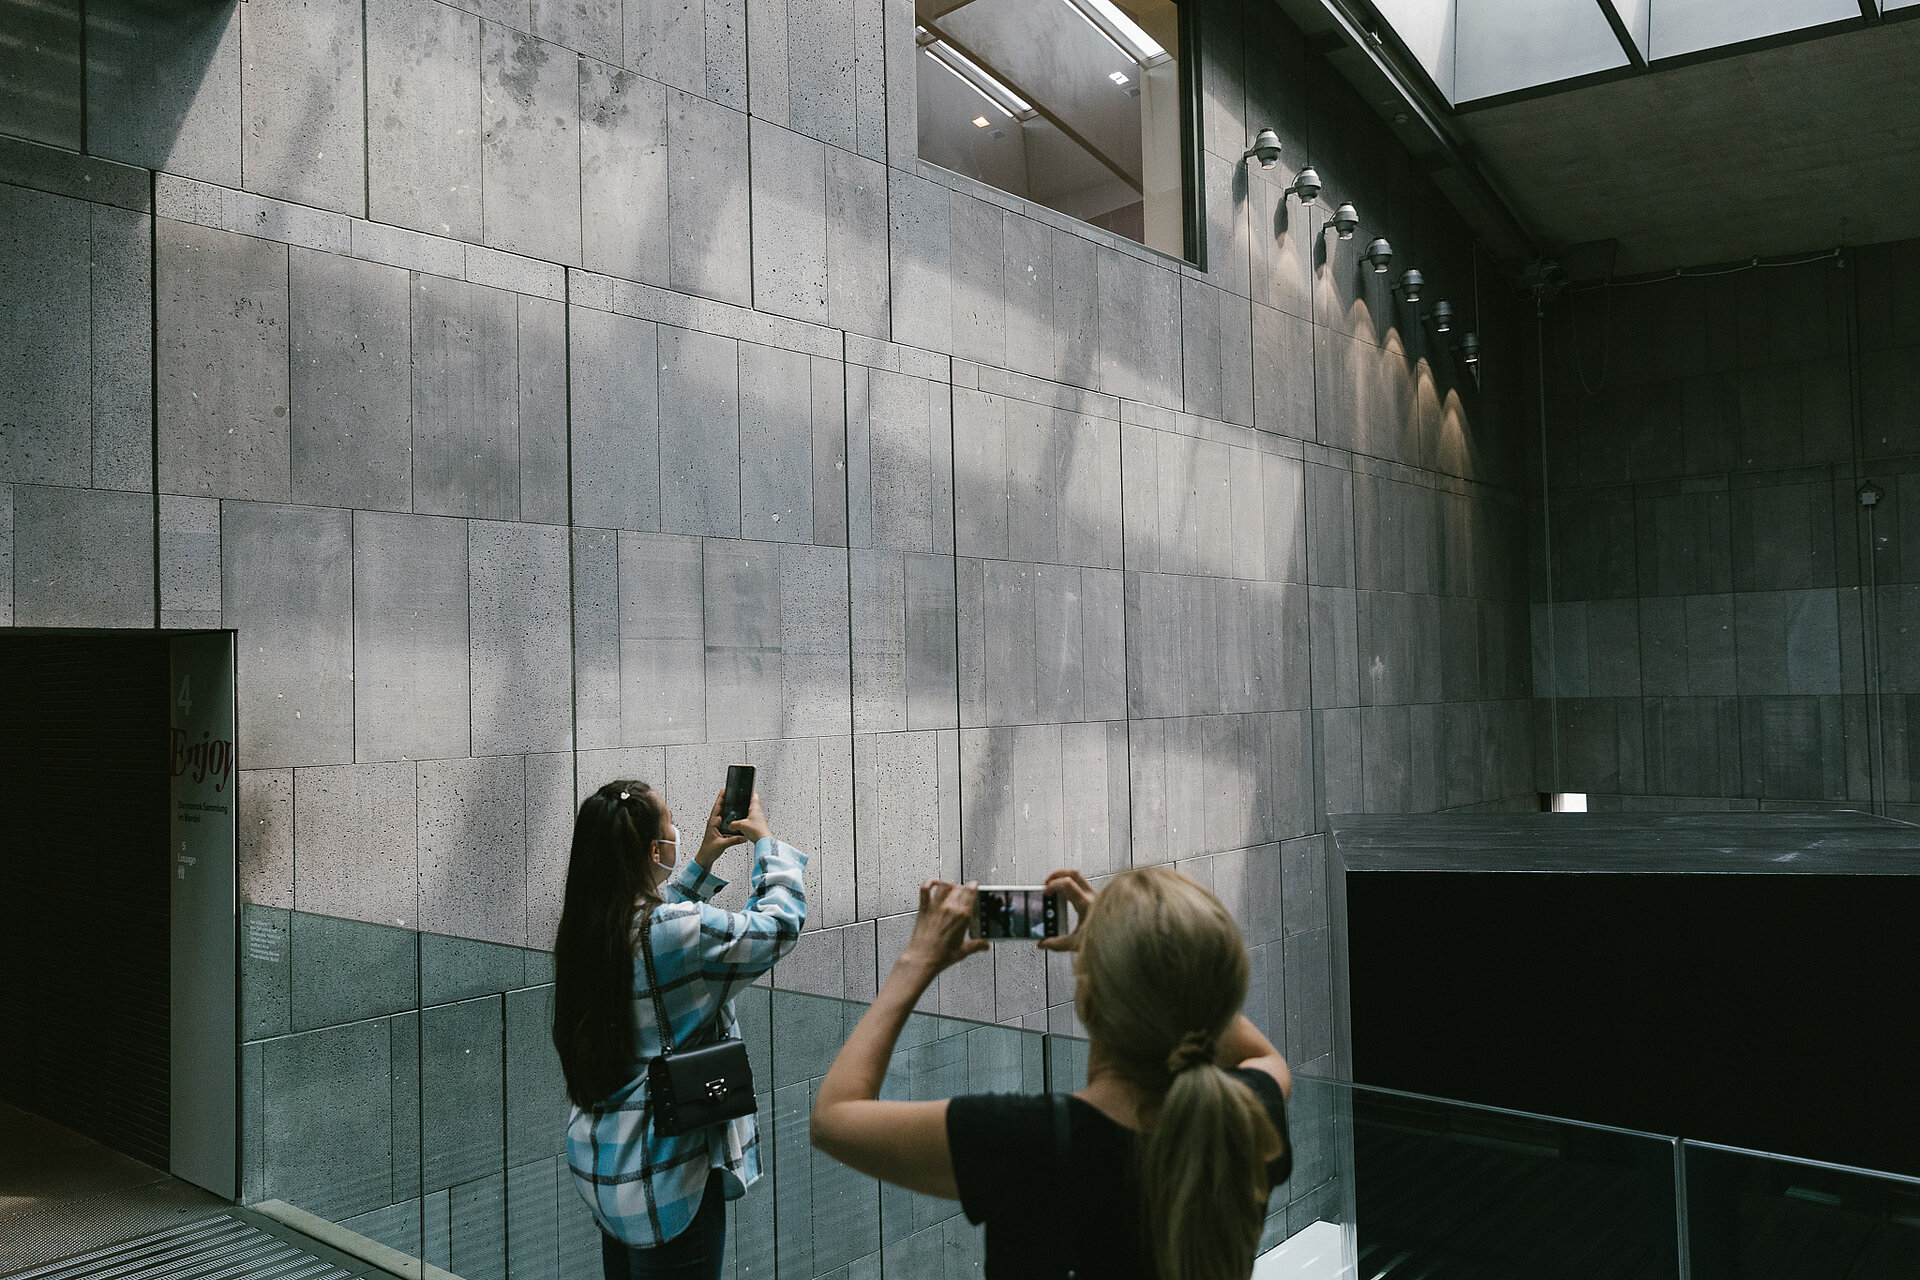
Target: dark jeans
[{"x": 694, "y": 1254}]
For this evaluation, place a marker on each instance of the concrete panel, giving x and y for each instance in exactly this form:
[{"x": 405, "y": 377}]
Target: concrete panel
[
  {"x": 878, "y": 586},
  {"x": 663, "y": 683},
  {"x": 777, "y": 471},
  {"x": 815, "y": 694},
  {"x": 346, "y": 970},
  {"x": 328, "y": 1129},
  {"x": 806, "y": 785},
  {"x": 1059, "y": 651},
  {"x": 596, "y": 638},
  {"x": 1010, "y": 642},
  {"x": 223, "y": 377},
  {"x": 857, "y": 270},
  {"x": 189, "y": 562},
  {"x": 473, "y": 849},
  {"x": 699, "y": 434},
  {"x": 931, "y": 654},
  {"x": 909, "y": 463},
  {"x": 666, "y": 41},
  {"x": 82, "y": 558},
  {"x": 46, "y": 358},
  {"x": 623, "y": 174},
  {"x": 616, "y": 423},
  {"x": 352, "y": 426},
  {"x": 522, "y": 698},
  {"x": 1201, "y": 362},
  {"x": 1139, "y": 329},
  {"x": 742, "y": 639},
  {"x": 1283, "y": 374},
  {"x": 265, "y": 980},
  {"x": 411, "y": 618},
  {"x": 462, "y": 1095},
  {"x": 263, "y": 825},
  {"x": 1076, "y": 311},
  {"x": 287, "y": 589},
  {"x": 530, "y": 160},
  {"x": 918, "y": 246},
  {"x": 163, "y": 88},
  {"x": 550, "y": 810},
  {"x": 789, "y": 187},
  {"x": 906, "y": 813},
  {"x": 708, "y": 199},
  {"x": 829, "y": 392},
  {"x": 466, "y": 400},
  {"x": 424, "y": 136},
  {"x": 821, "y": 70},
  {"x": 543, "y": 411},
  {"x": 592, "y": 27},
  {"x": 122, "y": 340},
  {"x": 357, "y": 855},
  {"x": 979, "y": 302},
  {"x": 41, "y": 74},
  {"x": 980, "y": 474},
  {"x": 303, "y": 103}
]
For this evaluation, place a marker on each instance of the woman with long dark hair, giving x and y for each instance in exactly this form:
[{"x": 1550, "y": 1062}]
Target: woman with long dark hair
[
  {"x": 660, "y": 1200},
  {"x": 1160, "y": 1169}
]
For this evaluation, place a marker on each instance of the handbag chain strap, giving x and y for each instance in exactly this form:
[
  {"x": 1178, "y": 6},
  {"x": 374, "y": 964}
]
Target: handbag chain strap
[{"x": 653, "y": 984}]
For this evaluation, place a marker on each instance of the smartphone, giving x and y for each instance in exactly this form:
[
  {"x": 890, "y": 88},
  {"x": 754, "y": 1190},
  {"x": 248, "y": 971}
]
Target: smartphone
[
  {"x": 738, "y": 797},
  {"x": 1005, "y": 911}
]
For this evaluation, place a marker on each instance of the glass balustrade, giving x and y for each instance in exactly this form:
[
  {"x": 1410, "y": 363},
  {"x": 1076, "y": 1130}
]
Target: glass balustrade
[{"x": 401, "y": 1099}]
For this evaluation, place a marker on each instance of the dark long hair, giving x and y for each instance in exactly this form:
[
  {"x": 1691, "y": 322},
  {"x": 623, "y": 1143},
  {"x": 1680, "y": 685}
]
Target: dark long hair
[{"x": 611, "y": 879}]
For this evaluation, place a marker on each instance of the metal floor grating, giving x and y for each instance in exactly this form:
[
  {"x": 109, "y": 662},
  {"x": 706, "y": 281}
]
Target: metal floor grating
[{"x": 224, "y": 1246}]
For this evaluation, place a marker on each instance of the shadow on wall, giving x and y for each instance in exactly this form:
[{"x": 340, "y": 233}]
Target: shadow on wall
[{"x": 148, "y": 97}]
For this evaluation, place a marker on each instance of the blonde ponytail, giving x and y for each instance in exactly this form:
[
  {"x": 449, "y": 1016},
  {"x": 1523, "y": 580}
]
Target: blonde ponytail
[{"x": 1162, "y": 973}]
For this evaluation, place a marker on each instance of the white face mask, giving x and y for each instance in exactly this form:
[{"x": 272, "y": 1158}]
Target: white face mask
[{"x": 666, "y": 851}]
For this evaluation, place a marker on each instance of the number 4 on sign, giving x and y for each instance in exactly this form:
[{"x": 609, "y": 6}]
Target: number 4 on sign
[{"x": 186, "y": 695}]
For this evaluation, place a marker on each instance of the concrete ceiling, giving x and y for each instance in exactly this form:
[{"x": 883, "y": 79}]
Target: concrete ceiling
[{"x": 1795, "y": 148}]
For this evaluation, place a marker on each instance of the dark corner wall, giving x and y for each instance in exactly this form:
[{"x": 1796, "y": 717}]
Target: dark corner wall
[
  {"x": 1721, "y": 623},
  {"x": 85, "y": 905}
]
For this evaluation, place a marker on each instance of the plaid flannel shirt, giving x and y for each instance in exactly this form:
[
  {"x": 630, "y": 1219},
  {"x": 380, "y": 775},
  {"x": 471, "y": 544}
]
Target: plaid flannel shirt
[{"x": 644, "y": 1189}]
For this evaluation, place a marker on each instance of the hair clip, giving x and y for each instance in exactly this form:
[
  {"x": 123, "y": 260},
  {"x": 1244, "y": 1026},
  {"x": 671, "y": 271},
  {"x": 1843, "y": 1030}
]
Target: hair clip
[{"x": 626, "y": 795}]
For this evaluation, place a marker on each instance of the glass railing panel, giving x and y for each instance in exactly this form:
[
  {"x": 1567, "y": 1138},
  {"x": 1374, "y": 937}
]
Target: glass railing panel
[
  {"x": 1752, "y": 1216},
  {"x": 1448, "y": 1188}
]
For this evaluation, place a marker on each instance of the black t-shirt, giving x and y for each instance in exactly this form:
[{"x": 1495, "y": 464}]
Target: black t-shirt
[{"x": 1003, "y": 1164}]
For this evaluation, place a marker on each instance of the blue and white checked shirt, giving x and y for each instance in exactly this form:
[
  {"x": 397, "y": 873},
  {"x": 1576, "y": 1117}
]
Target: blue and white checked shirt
[{"x": 645, "y": 1189}]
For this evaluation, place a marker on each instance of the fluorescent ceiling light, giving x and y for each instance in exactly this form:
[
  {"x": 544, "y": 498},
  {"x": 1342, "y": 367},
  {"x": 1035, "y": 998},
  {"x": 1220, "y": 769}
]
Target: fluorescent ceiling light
[
  {"x": 1106, "y": 18},
  {"x": 1118, "y": 77},
  {"x": 1004, "y": 100},
  {"x": 980, "y": 122}
]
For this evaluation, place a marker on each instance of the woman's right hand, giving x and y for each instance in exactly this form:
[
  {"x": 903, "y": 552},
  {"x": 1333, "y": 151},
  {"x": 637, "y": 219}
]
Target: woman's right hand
[
  {"x": 754, "y": 826},
  {"x": 1080, "y": 893}
]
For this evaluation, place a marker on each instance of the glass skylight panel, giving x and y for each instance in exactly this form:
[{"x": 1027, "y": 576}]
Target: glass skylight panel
[
  {"x": 1688, "y": 26},
  {"x": 1501, "y": 46},
  {"x": 1116, "y": 26},
  {"x": 1425, "y": 27}
]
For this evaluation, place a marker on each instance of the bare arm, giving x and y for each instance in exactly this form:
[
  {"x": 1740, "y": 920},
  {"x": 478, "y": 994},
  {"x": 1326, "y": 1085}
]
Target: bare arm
[
  {"x": 904, "y": 1143},
  {"x": 1244, "y": 1046}
]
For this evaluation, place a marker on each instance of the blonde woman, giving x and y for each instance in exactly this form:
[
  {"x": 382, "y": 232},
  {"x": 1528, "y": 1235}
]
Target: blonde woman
[{"x": 1161, "y": 1167}]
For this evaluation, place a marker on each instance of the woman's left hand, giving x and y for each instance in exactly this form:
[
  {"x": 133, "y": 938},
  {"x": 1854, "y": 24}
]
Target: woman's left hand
[
  {"x": 715, "y": 841},
  {"x": 940, "y": 929}
]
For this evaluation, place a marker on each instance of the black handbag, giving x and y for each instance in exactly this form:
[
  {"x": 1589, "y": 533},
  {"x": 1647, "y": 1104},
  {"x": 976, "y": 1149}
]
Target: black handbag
[{"x": 692, "y": 1088}]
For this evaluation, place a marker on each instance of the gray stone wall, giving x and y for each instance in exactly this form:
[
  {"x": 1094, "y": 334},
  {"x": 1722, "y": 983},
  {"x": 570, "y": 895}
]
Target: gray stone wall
[
  {"x": 545, "y": 393},
  {"x": 1723, "y": 614}
]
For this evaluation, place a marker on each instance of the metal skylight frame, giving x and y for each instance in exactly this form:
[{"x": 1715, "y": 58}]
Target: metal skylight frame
[
  {"x": 974, "y": 76},
  {"x": 1122, "y": 32}
]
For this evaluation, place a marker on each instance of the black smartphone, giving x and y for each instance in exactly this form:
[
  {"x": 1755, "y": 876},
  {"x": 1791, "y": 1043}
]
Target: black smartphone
[
  {"x": 1004, "y": 911},
  {"x": 738, "y": 797}
]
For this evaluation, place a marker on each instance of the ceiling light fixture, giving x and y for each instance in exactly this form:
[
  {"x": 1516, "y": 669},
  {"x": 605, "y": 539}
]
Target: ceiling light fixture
[
  {"x": 1306, "y": 185},
  {"x": 1469, "y": 349},
  {"x": 980, "y": 122},
  {"x": 1379, "y": 253},
  {"x": 1410, "y": 284},
  {"x": 1265, "y": 149},
  {"x": 1345, "y": 219},
  {"x": 1441, "y": 317},
  {"x": 1118, "y": 77}
]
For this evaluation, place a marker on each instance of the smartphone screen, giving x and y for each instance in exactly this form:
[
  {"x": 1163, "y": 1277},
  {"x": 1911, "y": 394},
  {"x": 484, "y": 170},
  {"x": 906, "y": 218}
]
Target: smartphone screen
[
  {"x": 738, "y": 797},
  {"x": 1016, "y": 911}
]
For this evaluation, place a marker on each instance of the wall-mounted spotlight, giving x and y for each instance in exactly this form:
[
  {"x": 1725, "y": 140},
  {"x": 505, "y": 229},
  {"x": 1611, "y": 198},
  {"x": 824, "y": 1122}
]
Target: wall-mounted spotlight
[
  {"x": 1306, "y": 185},
  {"x": 1345, "y": 219},
  {"x": 1410, "y": 284},
  {"x": 1265, "y": 149},
  {"x": 1441, "y": 317},
  {"x": 1380, "y": 254},
  {"x": 1468, "y": 350}
]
